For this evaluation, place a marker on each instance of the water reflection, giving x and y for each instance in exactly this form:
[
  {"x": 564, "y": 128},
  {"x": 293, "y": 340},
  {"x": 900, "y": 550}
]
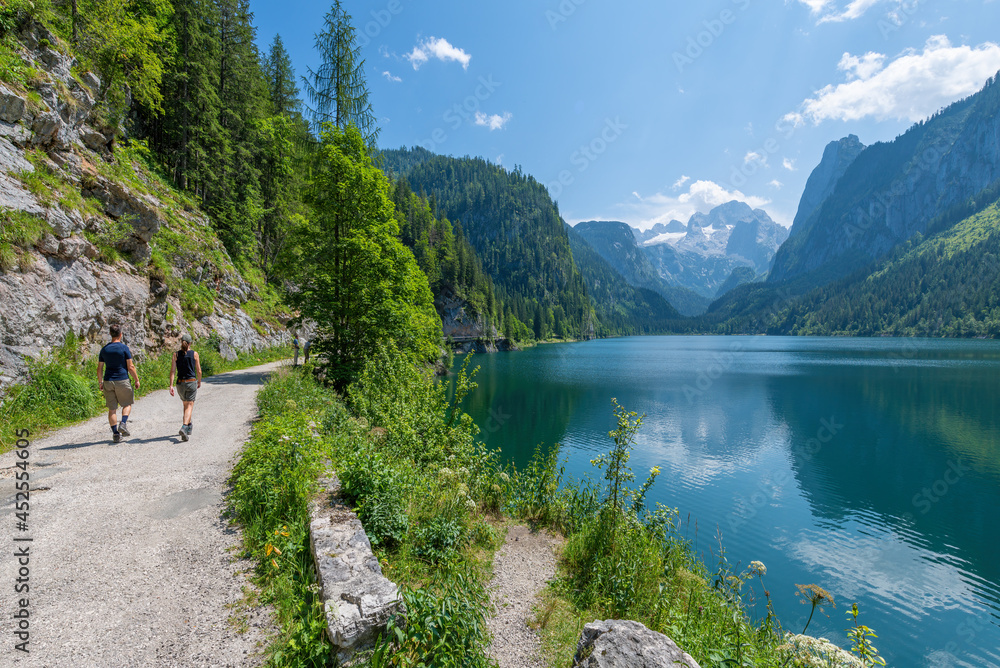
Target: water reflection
[{"x": 870, "y": 467}]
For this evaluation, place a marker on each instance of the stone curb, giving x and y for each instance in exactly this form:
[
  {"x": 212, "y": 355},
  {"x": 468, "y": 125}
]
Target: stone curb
[{"x": 357, "y": 598}]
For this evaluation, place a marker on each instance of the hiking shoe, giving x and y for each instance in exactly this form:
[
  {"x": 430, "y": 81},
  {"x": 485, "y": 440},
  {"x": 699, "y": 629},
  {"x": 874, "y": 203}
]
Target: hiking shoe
[
  {"x": 116, "y": 437},
  {"x": 183, "y": 433},
  {"x": 123, "y": 430},
  {"x": 189, "y": 428}
]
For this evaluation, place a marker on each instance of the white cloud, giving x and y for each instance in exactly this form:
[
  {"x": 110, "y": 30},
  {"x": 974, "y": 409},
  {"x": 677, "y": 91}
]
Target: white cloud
[
  {"x": 776, "y": 184},
  {"x": 701, "y": 196},
  {"x": 912, "y": 86},
  {"x": 861, "y": 67},
  {"x": 388, "y": 75},
  {"x": 440, "y": 49},
  {"x": 788, "y": 164},
  {"x": 755, "y": 157},
  {"x": 493, "y": 121},
  {"x": 498, "y": 160},
  {"x": 830, "y": 12},
  {"x": 678, "y": 184}
]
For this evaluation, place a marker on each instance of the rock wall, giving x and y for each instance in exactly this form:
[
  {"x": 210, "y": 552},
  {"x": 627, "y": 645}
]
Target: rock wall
[{"x": 61, "y": 285}]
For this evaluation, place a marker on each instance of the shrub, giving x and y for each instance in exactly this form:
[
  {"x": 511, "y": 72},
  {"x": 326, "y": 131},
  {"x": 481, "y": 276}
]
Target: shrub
[{"x": 377, "y": 490}]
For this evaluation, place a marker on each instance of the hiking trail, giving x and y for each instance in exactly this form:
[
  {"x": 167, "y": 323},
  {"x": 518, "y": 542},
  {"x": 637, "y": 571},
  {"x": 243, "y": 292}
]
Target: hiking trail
[
  {"x": 521, "y": 569},
  {"x": 131, "y": 560}
]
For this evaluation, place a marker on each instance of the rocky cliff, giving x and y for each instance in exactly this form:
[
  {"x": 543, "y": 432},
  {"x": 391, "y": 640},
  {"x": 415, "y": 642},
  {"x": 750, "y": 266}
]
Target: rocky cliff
[
  {"x": 90, "y": 235},
  {"x": 894, "y": 190},
  {"x": 837, "y": 157}
]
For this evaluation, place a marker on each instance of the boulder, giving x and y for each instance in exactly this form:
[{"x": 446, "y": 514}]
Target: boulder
[
  {"x": 64, "y": 224},
  {"x": 141, "y": 213},
  {"x": 74, "y": 247},
  {"x": 614, "y": 643},
  {"x": 93, "y": 139},
  {"x": 12, "y": 105},
  {"x": 91, "y": 81},
  {"x": 48, "y": 245},
  {"x": 357, "y": 599},
  {"x": 46, "y": 128}
]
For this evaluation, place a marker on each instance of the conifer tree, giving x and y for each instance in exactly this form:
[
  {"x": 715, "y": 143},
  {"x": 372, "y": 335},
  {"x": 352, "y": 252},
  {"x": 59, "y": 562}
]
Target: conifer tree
[{"x": 337, "y": 90}]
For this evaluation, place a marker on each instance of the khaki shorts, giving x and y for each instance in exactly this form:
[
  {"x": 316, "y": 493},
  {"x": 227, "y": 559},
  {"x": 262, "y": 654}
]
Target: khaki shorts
[
  {"x": 118, "y": 392},
  {"x": 187, "y": 390}
]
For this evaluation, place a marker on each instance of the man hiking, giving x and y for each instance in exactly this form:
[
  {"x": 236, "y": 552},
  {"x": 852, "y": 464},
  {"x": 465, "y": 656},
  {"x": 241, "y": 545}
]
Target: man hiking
[
  {"x": 114, "y": 366},
  {"x": 187, "y": 368}
]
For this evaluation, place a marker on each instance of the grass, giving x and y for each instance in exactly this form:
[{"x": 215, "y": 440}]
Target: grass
[
  {"x": 62, "y": 387},
  {"x": 409, "y": 465},
  {"x": 19, "y": 230}
]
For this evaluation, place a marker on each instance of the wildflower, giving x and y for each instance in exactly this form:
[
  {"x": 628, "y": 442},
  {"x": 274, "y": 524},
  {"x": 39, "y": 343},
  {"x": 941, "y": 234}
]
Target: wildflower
[
  {"x": 758, "y": 568},
  {"x": 505, "y": 477},
  {"x": 815, "y": 595},
  {"x": 496, "y": 488},
  {"x": 470, "y": 504}
]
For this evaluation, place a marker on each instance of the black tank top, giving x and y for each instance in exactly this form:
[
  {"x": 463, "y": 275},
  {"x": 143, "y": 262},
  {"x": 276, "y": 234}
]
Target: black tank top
[{"x": 185, "y": 365}]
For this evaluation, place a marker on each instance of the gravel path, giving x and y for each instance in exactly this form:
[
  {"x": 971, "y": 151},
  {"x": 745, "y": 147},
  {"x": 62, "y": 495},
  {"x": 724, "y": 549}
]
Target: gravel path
[
  {"x": 131, "y": 562},
  {"x": 521, "y": 569}
]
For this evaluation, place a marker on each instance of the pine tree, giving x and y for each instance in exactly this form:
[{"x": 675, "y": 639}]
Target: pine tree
[
  {"x": 279, "y": 76},
  {"x": 338, "y": 90}
]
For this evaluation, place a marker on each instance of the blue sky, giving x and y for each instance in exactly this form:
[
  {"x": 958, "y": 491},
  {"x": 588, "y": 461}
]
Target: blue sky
[{"x": 648, "y": 110}]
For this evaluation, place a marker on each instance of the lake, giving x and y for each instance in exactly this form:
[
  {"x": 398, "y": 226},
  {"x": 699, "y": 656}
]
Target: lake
[{"x": 870, "y": 467}]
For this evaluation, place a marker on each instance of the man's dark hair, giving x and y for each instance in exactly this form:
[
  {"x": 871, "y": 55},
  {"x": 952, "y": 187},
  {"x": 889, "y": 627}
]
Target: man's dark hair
[{"x": 116, "y": 331}]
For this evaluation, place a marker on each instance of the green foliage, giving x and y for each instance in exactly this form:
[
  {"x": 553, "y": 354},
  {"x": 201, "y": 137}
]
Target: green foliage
[
  {"x": 18, "y": 230},
  {"x": 370, "y": 481},
  {"x": 861, "y": 644},
  {"x": 125, "y": 41},
  {"x": 59, "y": 391},
  {"x": 337, "y": 88},
  {"x": 354, "y": 278},
  {"x": 452, "y": 266},
  {"x": 272, "y": 483},
  {"x": 443, "y": 629},
  {"x": 515, "y": 228}
]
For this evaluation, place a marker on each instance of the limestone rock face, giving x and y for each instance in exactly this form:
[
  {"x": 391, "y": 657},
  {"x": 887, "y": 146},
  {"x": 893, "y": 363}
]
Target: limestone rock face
[
  {"x": 624, "y": 644},
  {"x": 357, "y": 598},
  {"x": 11, "y": 106},
  {"x": 59, "y": 287}
]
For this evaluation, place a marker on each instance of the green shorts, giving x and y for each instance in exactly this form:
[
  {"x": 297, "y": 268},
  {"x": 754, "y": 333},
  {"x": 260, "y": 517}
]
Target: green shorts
[
  {"x": 187, "y": 389},
  {"x": 118, "y": 393}
]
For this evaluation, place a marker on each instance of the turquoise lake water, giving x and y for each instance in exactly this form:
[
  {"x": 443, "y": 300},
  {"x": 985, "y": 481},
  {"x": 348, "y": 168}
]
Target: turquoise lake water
[{"x": 870, "y": 467}]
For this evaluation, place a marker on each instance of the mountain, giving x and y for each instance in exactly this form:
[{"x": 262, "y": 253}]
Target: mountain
[
  {"x": 739, "y": 276},
  {"x": 616, "y": 244},
  {"x": 894, "y": 190},
  {"x": 516, "y": 231},
  {"x": 621, "y": 308},
  {"x": 837, "y": 157},
  {"x": 947, "y": 284},
  {"x": 702, "y": 255},
  {"x": 673, "y": 227}
]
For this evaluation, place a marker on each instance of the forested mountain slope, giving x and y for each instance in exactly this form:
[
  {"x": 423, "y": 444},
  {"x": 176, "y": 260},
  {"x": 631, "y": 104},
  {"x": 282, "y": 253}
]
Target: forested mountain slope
[
  {"x": 893, "y": 190},
  {"x": 947, "y": 284},
  {"x": 621, "y": 307},
  {"x": 618, "y": 245},
  {"x": 515, "y": 228}
]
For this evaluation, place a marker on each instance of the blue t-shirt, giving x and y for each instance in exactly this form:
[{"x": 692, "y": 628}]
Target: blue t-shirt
[{"x": 115, "y": 356}]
